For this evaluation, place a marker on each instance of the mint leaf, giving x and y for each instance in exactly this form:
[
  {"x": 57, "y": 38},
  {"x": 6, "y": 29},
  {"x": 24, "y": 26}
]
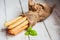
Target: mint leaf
[
  {"x": 27, "y": 33},
  {"x": 30, "y": 32},
  {"x": 30, "y": 28},
  {"x": 33, "y": 33}
]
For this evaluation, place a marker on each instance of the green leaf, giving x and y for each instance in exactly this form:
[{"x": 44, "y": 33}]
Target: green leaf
[
  {"x": 30, "y": 32},
  {"x": 33, "y": 33},
  {"x": 30, "y": 28},
  {"x": 26, "y": 33}
]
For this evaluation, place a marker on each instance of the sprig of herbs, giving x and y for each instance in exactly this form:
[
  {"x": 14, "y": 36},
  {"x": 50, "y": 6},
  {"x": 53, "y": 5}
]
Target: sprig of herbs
[{"x": 31, "y": 32}]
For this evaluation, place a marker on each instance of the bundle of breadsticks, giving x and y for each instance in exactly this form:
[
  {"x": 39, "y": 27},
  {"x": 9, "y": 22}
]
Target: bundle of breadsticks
[{"x": 37, "y": 12}]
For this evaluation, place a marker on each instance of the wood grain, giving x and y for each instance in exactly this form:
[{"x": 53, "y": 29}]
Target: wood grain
[
  {"x": 47, "y": 30},
  {"x": 13, "y": 10},
  {"x": 2, "y": 21},
  {"x": 53, "y": 22},
  {"x": 41, "y": 31}
]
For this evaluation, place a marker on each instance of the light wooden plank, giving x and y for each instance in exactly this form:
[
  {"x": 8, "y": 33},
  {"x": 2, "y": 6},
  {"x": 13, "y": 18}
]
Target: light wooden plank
[
  {"x": 20, "y": 36},
  {"x": 2, "y": 35},
  {"x": 42, "y": 33},
  {"x": 2, "y": 14},
  {"x": 24, "y": 4},
  {"x": 53, "y": 23},
  {"x": 13, "y": 10},
  {"x": 2, "y": 21},
  {"x": 53, "y": 26}
]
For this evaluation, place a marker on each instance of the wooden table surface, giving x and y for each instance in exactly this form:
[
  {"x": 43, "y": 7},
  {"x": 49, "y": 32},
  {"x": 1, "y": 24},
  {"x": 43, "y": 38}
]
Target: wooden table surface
[{"x": 49, "y": 29}]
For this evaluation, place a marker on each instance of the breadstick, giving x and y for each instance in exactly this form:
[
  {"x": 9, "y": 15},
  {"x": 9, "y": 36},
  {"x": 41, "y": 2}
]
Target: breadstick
[
  {"x": 18, "y": 27},
  {"x": 19, "y": 30},
  {"x": 17, "y": 23},
  {"x": 12, "y": 21}
]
